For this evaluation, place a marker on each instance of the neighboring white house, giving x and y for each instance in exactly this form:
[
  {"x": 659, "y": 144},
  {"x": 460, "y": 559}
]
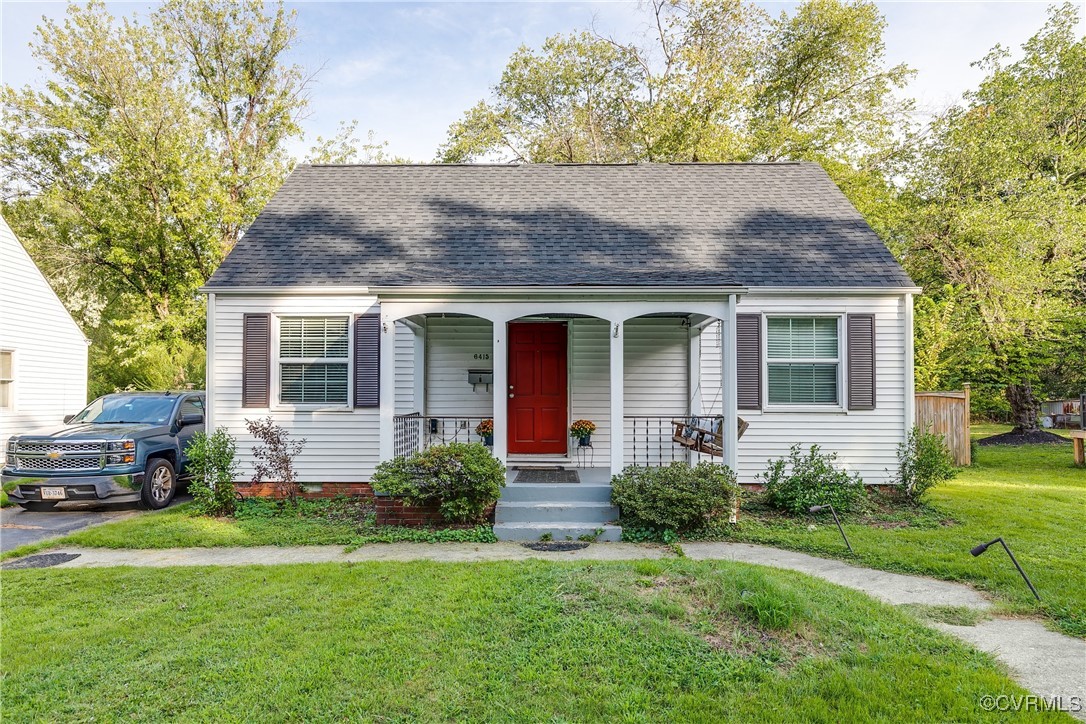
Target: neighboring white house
[
  {"x": 43, "y": 353},
  {"x": 375, "y": 310}
]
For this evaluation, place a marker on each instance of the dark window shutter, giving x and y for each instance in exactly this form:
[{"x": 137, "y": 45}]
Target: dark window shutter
[
  {"x": 748, "y": 367},
  {"x": 367, "y": 360},
  {"x": 256, "y": 360},
  {"x": 861, "y": 361}
]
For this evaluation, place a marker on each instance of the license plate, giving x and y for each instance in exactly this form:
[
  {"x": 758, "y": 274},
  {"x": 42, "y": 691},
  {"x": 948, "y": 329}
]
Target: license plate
[{"x": 53, "y": 494}]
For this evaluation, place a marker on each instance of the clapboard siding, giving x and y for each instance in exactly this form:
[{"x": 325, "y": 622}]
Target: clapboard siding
[
  {"x": 341, "y": 444},
  {"x": 451, "y": 346},
  {"x": 865, "y": 440},
  {"x": 50, "y": 351}
]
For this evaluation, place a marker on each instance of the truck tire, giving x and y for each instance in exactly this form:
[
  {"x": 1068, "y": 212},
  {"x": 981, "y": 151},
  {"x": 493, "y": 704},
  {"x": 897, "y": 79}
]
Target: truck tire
[
  {"x": 159, "y": 484},
  {"x": 38, "y": 507}
]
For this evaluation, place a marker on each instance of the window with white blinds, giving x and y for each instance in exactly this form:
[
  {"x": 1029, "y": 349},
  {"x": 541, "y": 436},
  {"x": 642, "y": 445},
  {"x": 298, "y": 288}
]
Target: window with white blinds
[
  {"x": 7, "y": 380},
  {"x": 802, "y": 359},
  {"x": 314, "y": 355}
]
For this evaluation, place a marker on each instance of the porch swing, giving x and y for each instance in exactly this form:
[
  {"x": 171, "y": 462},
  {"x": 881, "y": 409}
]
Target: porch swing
[{"x": 703, "y": 433}]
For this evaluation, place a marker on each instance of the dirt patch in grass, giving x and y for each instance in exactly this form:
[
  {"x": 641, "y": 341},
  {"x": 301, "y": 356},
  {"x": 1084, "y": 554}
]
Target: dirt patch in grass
[{"x": 1036, "y": 437}]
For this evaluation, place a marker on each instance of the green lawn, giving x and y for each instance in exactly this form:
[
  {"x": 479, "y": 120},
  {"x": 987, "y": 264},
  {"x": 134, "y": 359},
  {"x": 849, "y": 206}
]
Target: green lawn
[
  {"x": 256, "y": 523},
  {"x": 640, "y": 641},
  {"x": 1032, "y": 496}
]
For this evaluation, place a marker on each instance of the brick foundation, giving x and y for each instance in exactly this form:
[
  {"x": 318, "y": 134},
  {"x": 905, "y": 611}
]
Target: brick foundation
[
  {"x": 310, "y": 491},
  {"x": 394, "y": 511}
]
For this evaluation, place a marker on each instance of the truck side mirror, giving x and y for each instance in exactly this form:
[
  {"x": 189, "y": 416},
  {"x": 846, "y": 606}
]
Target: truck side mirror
[
  {"x": 68, "y": 418},
  {"x": 192, "y": 418}
]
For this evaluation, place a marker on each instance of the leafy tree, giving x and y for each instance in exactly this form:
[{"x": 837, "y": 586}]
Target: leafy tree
[
  {"x": 138, "y": 165},
  {"x": 999, "y": 227}
]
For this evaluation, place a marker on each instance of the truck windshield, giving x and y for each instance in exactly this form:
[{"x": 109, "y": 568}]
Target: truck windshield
[{"x": 115, "y": 409}]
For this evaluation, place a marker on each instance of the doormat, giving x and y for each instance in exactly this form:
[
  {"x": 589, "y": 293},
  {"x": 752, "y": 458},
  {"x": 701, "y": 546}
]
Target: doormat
[
  {"x": 44, "y": 560},
  {"x": 547, "y": 476},
  {"x": 555, "y": 546}
]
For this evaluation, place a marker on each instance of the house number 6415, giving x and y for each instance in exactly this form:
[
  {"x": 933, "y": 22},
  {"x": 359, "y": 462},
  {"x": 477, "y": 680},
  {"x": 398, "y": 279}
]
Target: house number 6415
[{"x": 482, "y": 355}]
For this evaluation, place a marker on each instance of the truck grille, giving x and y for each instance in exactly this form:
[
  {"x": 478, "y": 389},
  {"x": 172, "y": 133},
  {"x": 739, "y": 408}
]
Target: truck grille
[
  {"x": 44, "y": 463},
  {"x": 47, "y": 446}
]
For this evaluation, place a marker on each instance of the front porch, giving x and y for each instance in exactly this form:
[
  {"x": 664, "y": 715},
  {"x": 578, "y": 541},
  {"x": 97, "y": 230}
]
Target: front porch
[{"x": 533, "y": 367}]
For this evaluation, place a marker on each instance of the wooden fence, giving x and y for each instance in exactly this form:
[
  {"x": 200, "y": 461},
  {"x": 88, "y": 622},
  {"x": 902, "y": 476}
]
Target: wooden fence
[{"x": 947, "y": 413}]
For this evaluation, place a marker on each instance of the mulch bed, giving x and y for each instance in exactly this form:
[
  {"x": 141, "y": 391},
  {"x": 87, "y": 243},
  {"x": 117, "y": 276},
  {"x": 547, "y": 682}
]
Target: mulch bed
[
  {"x": 1037, "y": 437},
  {"x": 45, "y": 560}
]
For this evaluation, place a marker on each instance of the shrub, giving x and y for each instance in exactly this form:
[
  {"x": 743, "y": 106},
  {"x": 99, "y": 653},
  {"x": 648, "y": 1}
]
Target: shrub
[
  {"x": 462, "y": 479},
  {"x": 800, "y": 481},
  {"x": 675, "y": 498},
  {"x": 924, "y": 461},
  {"x": 211, "y": 461},
  {"x": 275, "y": 456}
]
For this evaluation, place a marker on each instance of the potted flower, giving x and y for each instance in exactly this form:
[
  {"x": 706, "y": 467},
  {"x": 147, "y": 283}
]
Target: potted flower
[
  {"x": 582, "y": 430},
  {"x": 485, "y": 430}
]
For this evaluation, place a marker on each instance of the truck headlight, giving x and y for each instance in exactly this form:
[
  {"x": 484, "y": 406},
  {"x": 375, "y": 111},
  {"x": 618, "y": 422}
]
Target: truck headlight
[
  {"x": 11, "y": 446},
  {"x": 121, "y": 459},
  {"x": 120, "y": 445}
]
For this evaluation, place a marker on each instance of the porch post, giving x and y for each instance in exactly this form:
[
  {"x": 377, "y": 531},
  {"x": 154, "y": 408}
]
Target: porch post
[
  {"x": 387, "y": 368},
  {"x": 693, "y": 392},
  {"x": 618, "y": 427},
  {"x": 501, "y": 391},
  {"x": 728, "y": 383}
]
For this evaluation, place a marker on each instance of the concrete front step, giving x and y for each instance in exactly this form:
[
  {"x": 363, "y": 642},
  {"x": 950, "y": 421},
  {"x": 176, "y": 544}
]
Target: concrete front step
[
  {"x": 556, "y": 493},
  {"x": 559, "y": 531},
  {"x": 550, "y": 512}
]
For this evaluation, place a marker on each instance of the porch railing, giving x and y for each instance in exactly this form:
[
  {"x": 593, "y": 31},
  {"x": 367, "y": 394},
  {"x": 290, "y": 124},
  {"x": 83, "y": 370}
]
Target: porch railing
[
  {"x": 650, "y": 441},
  {"x": 414, "y": 432}
]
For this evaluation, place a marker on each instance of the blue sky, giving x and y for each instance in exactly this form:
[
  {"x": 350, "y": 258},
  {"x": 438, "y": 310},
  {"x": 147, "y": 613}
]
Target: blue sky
[{"x": 407, "y": 70}]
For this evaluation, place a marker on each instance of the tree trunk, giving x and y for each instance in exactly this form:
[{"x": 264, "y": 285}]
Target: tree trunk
[{"x": 1024, "y": 407}]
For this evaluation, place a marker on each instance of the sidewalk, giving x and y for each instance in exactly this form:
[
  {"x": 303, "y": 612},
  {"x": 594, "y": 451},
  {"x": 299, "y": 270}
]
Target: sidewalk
[{"x": 1047, "y": 663}]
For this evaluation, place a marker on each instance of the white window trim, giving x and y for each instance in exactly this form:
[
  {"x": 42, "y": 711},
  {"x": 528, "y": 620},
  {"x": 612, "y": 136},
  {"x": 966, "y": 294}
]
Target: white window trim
[
  {"x": 277, "y": 361},
  {"x": 842, "y": 355},
  {"x": 10, "y": 382}
]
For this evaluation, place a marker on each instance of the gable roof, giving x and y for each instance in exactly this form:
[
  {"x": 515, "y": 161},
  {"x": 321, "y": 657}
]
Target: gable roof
[{"x": 781, "y": 224}]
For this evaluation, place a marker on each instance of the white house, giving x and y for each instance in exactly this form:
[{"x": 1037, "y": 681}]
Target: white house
[
  {"x": 43, "y": 353},
  {"x": 375, "y": 310}
]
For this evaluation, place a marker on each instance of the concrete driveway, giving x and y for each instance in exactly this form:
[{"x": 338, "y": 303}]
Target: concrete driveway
[{"x": 19, "y": 527}]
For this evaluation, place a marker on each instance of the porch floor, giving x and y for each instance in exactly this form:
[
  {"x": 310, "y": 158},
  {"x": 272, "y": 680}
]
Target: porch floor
[{"x": 586, "y": 476}]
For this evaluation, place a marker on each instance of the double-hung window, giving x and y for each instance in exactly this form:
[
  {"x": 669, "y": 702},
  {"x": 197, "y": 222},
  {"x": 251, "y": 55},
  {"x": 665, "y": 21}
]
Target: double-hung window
[
  {"x": 803, "y": 358},
  {"x": 7, "y": 379},
  {"x": 313, "y": 360}
]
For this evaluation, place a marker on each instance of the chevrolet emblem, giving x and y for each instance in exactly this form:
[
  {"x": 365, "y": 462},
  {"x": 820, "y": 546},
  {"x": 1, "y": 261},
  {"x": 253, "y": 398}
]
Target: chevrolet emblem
[{"x": 54, "y": 454}]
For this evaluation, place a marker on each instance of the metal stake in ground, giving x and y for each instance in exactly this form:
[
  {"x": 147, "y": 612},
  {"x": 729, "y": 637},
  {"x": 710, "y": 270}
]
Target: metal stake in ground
[
  {"x": 819, "y": 508},
  {"x": 984, "y": 546}
]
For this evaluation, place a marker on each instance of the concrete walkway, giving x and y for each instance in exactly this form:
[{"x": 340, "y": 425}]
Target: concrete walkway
[{"x": 1046, "y": 663}]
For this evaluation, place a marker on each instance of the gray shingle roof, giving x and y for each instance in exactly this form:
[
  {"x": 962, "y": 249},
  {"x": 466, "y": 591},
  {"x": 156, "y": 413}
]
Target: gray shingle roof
[{"x": 555, "y": 225}]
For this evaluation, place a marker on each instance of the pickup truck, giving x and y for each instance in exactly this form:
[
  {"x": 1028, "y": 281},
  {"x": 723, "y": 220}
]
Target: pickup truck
[{"x": 128, "y": 447}]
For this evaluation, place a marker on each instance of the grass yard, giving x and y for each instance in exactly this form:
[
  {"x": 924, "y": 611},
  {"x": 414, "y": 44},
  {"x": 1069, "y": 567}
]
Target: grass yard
[
  {"x": 1032, "y": 496},
  {"x": 637, "y": 641},
  {"x": 257, "y": 523}
]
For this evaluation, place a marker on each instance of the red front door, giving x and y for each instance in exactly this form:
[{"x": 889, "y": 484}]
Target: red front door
[{"x": 537, "y": 387}]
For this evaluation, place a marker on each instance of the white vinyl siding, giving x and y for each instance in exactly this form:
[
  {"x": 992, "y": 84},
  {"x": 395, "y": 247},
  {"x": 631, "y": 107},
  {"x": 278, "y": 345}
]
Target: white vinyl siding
[
  {"x": 49, "y": 351},
  {"x": 802, "y": 360},
  {"x": 865, "y": 440},
  {"x": 313, "y": 360}
]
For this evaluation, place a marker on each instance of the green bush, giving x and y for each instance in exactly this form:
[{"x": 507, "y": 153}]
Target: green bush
[
  {"x": 211, "y": 461},
  {"x": 463, "y": 479},
  {"x": 924, "y": 461},
  {"x": 795, "y": 483},
  {"x": 675, "y": 498}
]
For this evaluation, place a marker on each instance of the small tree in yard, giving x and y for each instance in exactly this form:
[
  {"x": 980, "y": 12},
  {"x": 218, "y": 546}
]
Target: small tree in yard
[
  {"x": 924, "y": 462},
  {"x": 275, "y": 457},
  {"x": 211, "y": 459}
]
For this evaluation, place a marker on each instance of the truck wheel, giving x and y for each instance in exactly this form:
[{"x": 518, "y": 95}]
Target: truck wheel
[
  {"x": 159, "y": 484},
  {"x": 38, "y": 507}
]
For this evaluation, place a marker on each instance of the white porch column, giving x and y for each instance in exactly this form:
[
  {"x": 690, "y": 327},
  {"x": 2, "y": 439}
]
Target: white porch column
[
  {"x": 618, "y": 375},
  {"x": 419, "y": 394},
  {"x": 693, "y": 390},
  {"x": 729, "y": 399},
  {"x": 387, "y": 385},
  {"x": 499, "y": 357}
]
